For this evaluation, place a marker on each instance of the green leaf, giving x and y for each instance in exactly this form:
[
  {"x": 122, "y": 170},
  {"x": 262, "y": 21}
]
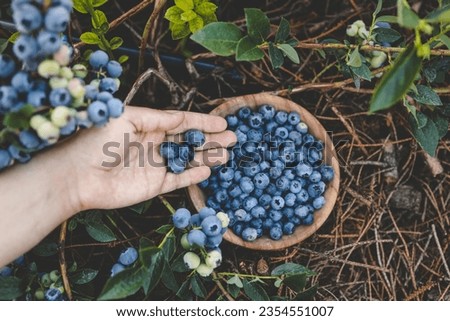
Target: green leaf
[
  {"x": 142, "y": 207},
  {"x": 205, "y": 8},
  {"x": 168, "y": 278},
  {"x": 116, "y": 42},
  {"x": 178, "y": 264},
  {"x": 183, "y": 291},
  {"x": 123, "y": 284},
  {"x": 83, "y": 276},
  {"x": 82, "y": 6},
  {"x": 196, "y": 24},
  {"x": 14, "y": 37},
  {"x": 173, "y": 14},
  {"x": 283, "y": 31},
  {"x": 99, "y": 19},
  {"x": 164, "y": 229},
  {"x": 98, "y": 3},
  {"x": 100, "y": 232},
  {"x": 255, "y": 291},
  {"x": 3, "y": 45},
  {"x": 11, "y": 288},
  {"x": 179, "y": 30},
  {"x": 169, "y": 247},
  {"x": 396, "y": 82},
  {"x": 276, "y": 56},
  {"x": 197, "y": 287},
  {"x": 45, "y": 248},
  {"x": 185, "y": 5},
  {"x": 406, "y": 17},
  {"x": 428, "y": 135},
  {"x": 188, "y": 15},
  {"x": 122, "y": 59},
  {"x": 378, "y": 8},
  {"x": 441, "y": 15},
  {"x": 72, "y": 225},
  {"x": 362, "y": 72},
  {"x": 355, "y": 59},
  {"x": 153, "y": 273},
  {"x": 441, "y": 123},
  {"x": 445, "y": 40},
  {"x": 90, "y": 38},
  {"x": 291, "y": 268},
  {"x": 426, "y": 95},
  {"x": 146, "y": 251},
  {"x": 258, "y": 25},
  {"x": 236, "y": 280},
  {"x": 296, "y": 282},
  {"x": 19, "y": 119},
  {"x": 308, "y": 294},
  {"x": 387, "y": 35},
  {"x": 233, "y": 290},
  {"x": 390, "y": 19},
  {"x": 219, "y": 37},
  {"x": 247, "y": 50},
  {"x": 290, "y": 52},
  {"x": 412, "y": 109}
]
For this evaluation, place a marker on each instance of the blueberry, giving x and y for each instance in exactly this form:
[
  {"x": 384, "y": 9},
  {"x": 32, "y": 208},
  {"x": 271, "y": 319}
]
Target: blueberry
[
  {"x": 191, "y": 260},
  {"x": 303, "y": 170},
  {"x": 327, "y": 173},
  {"x": 265, "y": 200},
  {"x": 225, "y": 184},
  {"x": 17, "y": 154},
  {"x": 288, "y": 212},
  {"x": 314, "y": 156},
  {"x": 221, "y": 196},
  {"x": 104, "y": 96},
  {"x": 53, "y": 294},
  {"x": 290, "y": 199},
  {"x": 235, "y": 204},
  {"x": 211, "y": 226},
  {"x": 271, "y": 189},
  {"x": 109, "y": 85},
  {"x": 244, "y": 113},
  {"x": 257, "y": 192},
  {"x": 295, "y": 186},
  {"x": 249, "y": 203},
  {"x": 27, "y": 18},
  {"x": 302, "y": 196},
  {"x": 25, "y": 47},
  {"x": 49, "y": 42},
  {"x": 277, "y": 202},
  {"x": 6, "y": 271},
  {"x": 301, "y": 211},
  {"x": 318, "y": 202},
  {"x": 314, "y": 190},
  {"x": 21, "y": 82},
  {"x": 114, "y": 69},
  {"x": 281, "y": 117},
  {"x": 205, "y": 212},
  {"x": 308, "y": 220},
  {"x": 203, "y": 184},
  {"x": 57, "y": 19},
  {"x": 29, "y": 139},
  {"x": 267, "y": 223},
  {"x": 281, "y": 132},
  {"x": 176, "y": 165},
  {"x": 181, "y": 218},
  {"x": 8, "y": 98},
  {"x": 258, "y": 212},
  {"x": 247, "y": 185},
  {"x": 296, "y": 137},
  {"x": 186, "y": 153},
  {"x": 275, "y": 233},
  {"x": 275, "y": 172},
  {"x": 241, "y": 136},
  {"x": 289, "y": 174},
  {"x": 60, "y": 97},
  {"x": 288, "y": 228},
  {"x": 91, "y": 92},
  {"x": 254, "y": 135},
  {"x": 128, "y": 256},
  {"x": 195, "y": 220},
  {"x": 294, "y": 118},
  {"x": 98, "y": 59},
  {"x": 5, "y": 159},
  {"x": 252, "y": 169},
  {"x": 275, "y": 215},
  {"x": 302, "y": 128},
  {"x": 382, "y": 24},
  {"x": 211, "y": 202},
  {"x": 267, "y": 112},
  {"x": 255, "y": 120},
  {"x": 36, "y": 98},
  {"x": 232, "y": 121},
  {"x": 98, "y": 112},
  {"x": 169, "y": 150},
  {"x": 270, "y": 128},
  {"x": 315, "y": 177},
  {"x": 115, "y": 107},
  {"x": 256, "y": 223},
  {"x": 226, "y": 174},
  {"x": 237, "y": 176},
  {"x": 249, "y": 234},
  {"x": 241, "y": 215},
  {"x": 282, "y": 183},
  {"x": 238, "y": 228},
  {"x": 69, "y": 128},
  {"x": 117, "y": 268},
  {"x": 197, "y": 237},
  {"x": 234, "y": 191},
  {"x": 264, "y": 166},
  {"x": 7, "y": 66},
  {"x": 194, "y": 137}
]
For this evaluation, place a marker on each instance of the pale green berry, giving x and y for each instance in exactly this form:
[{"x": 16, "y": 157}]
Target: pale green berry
[
  {"x": 95, "y": 83},
  {"x": 80, "y": 71},
  {"x": 37, "y": 120},
  {"x": 58, "y": 82},
  {"x": 39, "y": 295},
  {"x": 223, "y": 218},
  {"x": 48, "y": 68},
  {"x": 49, "y": 132},
  {"x": 184, "y": 242},
  {"x": 359, "y": 24},
  {"x": 117, "y": 81},
  {"x": 45, "y": 280},
  {"x": 62, "y": 56},
  {"x": 66, "y": 72},
  {"x": 78, "y": 102},
  {"x": 191, "y": 260},
  {"x": 363, "y": 33},
  {"x": 54, "y": 275},
  {"x": 204, "y": 270},
  {"x": 352, "y": 30},
  {"x": 57, "y": 286},
  {"x": 60, "y": 116},
  {"x": 377, "y": 53},
  {"x": 213, "y": 259},
  {"x": 378, "y": 61},
  {"x": 76, "y": 88}
]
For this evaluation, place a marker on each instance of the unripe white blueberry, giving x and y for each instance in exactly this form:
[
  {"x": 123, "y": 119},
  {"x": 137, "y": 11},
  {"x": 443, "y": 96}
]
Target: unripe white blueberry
[
  {"x": 77, "y": 102},
  {"x": 76, "y": 88},
  {"x": 191, "y": 260},
  {"x": 378, "y": 61},
  {"x": 352, "y": 30},
  {"x": 39, "y": 295},
  {"x": 62, "y": 56},
  {"x": 359, "y": 24},
  {"x": 48, "y": 68},
  {"x": 363, "y": 33},
  {"x": 66, "y": 72},
  {"x": 184, "y": 242},
  {"x": 57, "y": 82},
  {"x": 204, "y": 270},
  {"x": 223, "y": 218},
  {"x": 117, "y": 81},
  {"x": 37, "y": 120},
  {"x": 95, "y": 83},
  {"x": 60, "y": 116},
  {"x": 213, "y": 259},
  {"x": 80, "y": 71},
  {"x": 49, "y": 132}
]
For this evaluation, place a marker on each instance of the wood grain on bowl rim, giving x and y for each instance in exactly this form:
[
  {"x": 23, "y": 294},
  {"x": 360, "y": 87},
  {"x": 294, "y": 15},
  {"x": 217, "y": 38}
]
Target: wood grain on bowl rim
[{"x": 317, "y": 130}]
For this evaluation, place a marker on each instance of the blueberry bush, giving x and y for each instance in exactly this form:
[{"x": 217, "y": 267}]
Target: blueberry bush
[{"x": 376, "y": 75}]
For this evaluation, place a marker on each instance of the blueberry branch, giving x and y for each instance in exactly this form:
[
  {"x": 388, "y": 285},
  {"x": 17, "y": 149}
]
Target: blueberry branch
[{"x": 265, "y": 277}]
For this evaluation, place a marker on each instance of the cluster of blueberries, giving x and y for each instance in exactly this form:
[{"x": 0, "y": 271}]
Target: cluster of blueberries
[
  {"x": 126, "y": 258},
  {"x": 203, "y": 231},
  {"x": 275, "y": 178},
  {"x": 53, "y": 97},
  {"x": 50, "y": 287},
  {"x": 177, "y": 156}
]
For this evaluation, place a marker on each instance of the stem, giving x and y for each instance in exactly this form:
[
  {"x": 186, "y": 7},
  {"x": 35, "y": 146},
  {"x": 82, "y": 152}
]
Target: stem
[
  {"x": 166, "y": 237},
  {"x": 62, "y": 260},
  {"x": 102, "y": 37},
  {"x": 267, "y": 277},
  {"x": 167, "y": 204}
]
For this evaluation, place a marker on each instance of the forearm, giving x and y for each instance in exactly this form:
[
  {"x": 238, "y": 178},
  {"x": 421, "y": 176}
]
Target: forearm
[{"x": 35, "y": 198}]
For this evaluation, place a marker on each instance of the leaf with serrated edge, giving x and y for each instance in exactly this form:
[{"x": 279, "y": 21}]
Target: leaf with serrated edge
[{"x": 219, "y": 37}]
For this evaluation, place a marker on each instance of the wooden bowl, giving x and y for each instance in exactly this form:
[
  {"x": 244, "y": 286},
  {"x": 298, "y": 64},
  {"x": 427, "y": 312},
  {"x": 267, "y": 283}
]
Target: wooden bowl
[{"x": 302, "y": 232}]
